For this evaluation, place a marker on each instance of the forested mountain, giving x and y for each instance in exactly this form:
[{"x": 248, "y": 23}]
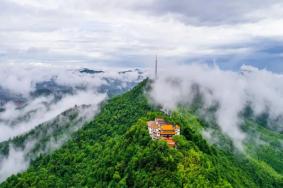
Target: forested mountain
[{"x": 115, "y": 150}]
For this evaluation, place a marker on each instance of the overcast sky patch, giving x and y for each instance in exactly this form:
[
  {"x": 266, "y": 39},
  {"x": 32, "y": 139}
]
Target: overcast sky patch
[{"x": 133, "y": 31}]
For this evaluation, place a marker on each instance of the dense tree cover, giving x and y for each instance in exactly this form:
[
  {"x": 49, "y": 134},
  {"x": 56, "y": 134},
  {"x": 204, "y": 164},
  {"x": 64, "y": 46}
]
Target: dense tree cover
[
  {"x": 115, "y": 150},
  {"x": 265, "y": 145}
]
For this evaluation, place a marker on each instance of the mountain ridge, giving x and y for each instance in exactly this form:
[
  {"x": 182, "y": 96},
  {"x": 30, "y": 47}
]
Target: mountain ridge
[{"x": 115, "y": 150}]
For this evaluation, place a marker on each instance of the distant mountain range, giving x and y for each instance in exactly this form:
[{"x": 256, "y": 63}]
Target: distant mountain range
[
  {"x": 112, "y": 86},
  {"x": 23, "y": 112},
  {"x": 39, "y": 135}
]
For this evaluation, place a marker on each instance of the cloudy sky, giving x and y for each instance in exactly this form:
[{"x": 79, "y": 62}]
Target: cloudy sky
[{"x": 131, "y": 32}]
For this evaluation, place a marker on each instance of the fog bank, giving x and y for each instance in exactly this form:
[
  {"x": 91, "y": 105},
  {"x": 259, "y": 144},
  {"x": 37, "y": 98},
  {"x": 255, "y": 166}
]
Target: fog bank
[{"x": 230, "y": 91}]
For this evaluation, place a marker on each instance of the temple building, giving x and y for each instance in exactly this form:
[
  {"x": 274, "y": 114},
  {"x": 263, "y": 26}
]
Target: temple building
[{"x": 160, "y": 129}]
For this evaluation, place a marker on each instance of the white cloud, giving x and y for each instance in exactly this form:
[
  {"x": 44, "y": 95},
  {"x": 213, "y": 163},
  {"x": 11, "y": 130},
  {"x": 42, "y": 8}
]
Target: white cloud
[
  {"x": 21, "y": 80},
  {"x": 232, "y": 91},
  {"x": 13, "y": 164},
  {"x": 41, "y": 113},
  {"x": 91, "y": 31},
  {"x": 19, "y": 158}
]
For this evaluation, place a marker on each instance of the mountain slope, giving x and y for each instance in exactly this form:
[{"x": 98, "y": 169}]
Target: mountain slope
[
  {"x": 68, "y": 121},
  {"x": 43, "y": 139},
  {"x": 115, "y": 150}
]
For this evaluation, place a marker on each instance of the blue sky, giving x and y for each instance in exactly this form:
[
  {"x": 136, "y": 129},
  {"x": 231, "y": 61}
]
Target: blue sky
[{"x": 130, "y": 32}]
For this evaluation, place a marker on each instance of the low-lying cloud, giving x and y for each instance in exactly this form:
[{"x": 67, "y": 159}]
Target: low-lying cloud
[
  {"x": 230, "y": 91},
  {"x": 34, "y": 93},
  {"x": 37, "y": 97},
  {"x": 16, "y": 122},
  {"x": 44, "y": 139}
]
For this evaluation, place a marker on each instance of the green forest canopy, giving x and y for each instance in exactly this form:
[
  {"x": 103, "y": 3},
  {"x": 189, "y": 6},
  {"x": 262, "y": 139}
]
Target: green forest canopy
[{"x": 115, "y": 150}]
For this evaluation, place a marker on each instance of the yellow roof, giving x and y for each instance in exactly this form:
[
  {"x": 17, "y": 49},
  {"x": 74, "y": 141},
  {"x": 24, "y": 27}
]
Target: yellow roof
[{"x": 167, "y": 127}]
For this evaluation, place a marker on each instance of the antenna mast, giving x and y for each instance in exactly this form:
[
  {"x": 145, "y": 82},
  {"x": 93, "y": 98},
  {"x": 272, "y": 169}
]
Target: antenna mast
[{"x": 155, "y": 67}]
